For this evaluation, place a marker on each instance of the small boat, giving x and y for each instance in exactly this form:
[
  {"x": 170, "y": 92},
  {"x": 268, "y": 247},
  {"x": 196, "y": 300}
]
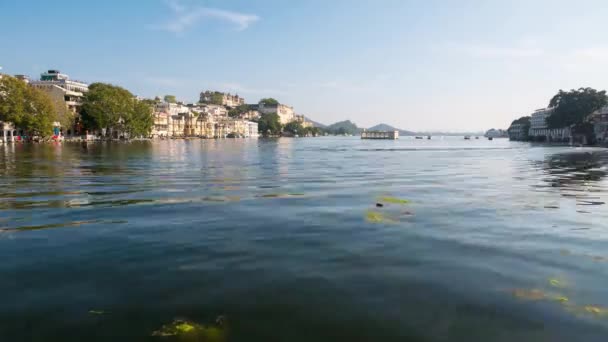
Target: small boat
[
  {"x": 428, "y": 137},
  {"x": 419, "y": 138},
  {"x": 476, "y": 137},
  {"x": 467, "y": 137},
  {"x": 490, "y": 138}
]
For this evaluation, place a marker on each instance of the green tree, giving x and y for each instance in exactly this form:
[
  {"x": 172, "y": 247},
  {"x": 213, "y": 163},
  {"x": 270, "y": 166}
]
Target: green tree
[
  {"x": 574, "y": 106},
  {"x": 140, "y": 122},
  {"x": 269, "y": 124},
  {"x": 170, "y": 99},
  {"x": 525, "y": 121},
  {"x": 40, "y": 114},
  {"x": 26, "y": 107},
  {"x": 217, "y": 98},
  {"x": 295, "y": 127},
  {"x": 269, "y": 101},
  {"x": 238, "y": 111},
  {"x": 114, "y": 108}
]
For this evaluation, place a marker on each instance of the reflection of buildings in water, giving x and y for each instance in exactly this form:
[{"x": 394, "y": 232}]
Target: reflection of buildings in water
[{"x": 573, "y": 171}]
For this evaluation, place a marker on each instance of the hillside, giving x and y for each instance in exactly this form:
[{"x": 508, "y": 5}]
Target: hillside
[
  {"x": 385, "y": 127},
  {"x": 343, "y": 127},
  {"x": 315, "y": 124}
]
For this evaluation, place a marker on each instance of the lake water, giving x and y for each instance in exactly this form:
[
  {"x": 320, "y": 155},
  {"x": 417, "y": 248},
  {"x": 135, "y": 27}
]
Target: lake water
[{"x": 500, "y": 241}]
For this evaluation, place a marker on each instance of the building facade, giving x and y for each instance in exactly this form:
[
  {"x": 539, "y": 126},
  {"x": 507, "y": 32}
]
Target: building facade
[
  {"x": 539, "y": 130},
  {"x": 599, "y": 119},
  {"x": 517, "y": 131},
  {"x": 65, "y": 94},
  {"x": 286, "y": 113}
]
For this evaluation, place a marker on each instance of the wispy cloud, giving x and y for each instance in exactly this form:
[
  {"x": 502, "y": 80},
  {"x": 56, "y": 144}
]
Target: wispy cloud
[{"x": 185, "y": 18}]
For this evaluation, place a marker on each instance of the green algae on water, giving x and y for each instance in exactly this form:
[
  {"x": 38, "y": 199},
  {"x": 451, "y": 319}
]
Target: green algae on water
[
  {"x": 392, "y": 200},
  {"x": 191, "y": 331}
]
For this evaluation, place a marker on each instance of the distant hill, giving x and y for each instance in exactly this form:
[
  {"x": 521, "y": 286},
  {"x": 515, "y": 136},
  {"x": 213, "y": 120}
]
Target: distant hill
[
  {"x": 343, "y": 127},
  {"x": 315, "y": 124},
  {"x": 385, "y": 127}
]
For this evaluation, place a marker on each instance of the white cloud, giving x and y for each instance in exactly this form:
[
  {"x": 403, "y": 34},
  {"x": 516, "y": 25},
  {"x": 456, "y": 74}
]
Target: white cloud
[{"x": 186, "y": 18}]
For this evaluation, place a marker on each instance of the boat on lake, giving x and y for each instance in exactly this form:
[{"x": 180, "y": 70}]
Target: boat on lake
[
  {"x": 419, "y": 138},
  {"x": 467, "y": 137}
]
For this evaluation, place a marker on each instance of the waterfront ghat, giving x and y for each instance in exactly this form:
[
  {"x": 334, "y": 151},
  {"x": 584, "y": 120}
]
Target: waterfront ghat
[{"x": 284, "y": 240}]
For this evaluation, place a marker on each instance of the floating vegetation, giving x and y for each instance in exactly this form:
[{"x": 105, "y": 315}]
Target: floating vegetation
[
  {"x": 191, "y": 331},
  {"x": 555, "y": 282},
  {"x": 377, "y": 217},
  {"x": 97, "y": 312},
  {"x": 221, "y": 199},
  {"x": 281, "y": 195},
  {"x": 596, "y": 310},
  {"x": 561, "y": 299},
  {"x": 526, "y": 294},
  {"x": 374, "y": 216},
  {"x": 49, "y": 226},
  {"x": 392, "y": 200}
]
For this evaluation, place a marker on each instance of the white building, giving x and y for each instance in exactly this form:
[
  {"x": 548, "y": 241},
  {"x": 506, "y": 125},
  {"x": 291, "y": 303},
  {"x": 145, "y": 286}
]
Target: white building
[
  {"x": 64, "y": 93},
  {"x": 539, "y": 129},
  {"x": 252, "y": 130},
  {"x": 216, "y": 111}
]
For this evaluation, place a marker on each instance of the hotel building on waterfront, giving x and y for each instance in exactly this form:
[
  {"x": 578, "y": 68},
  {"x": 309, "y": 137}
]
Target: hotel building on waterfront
[
  {"x": 539, "y": 130},
  {"x": 66, "y": 94}
]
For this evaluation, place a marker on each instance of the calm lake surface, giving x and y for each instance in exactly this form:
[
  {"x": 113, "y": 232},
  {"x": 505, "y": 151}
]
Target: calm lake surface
[{"x": 500, "y": 241}]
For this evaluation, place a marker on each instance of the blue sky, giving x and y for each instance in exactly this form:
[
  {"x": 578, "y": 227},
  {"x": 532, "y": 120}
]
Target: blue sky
[{"x": 441, "y": 65}]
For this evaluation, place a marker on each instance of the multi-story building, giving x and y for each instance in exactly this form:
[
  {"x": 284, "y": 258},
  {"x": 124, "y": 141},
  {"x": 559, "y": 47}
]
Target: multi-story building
[
  {"x": 65, "y": 94},
  {"x": 286, "y": 113},
  {"x": 224, "y": 99},
  {"x": 162, "y": 125},
  {"x": 539, "y": 130},
  {"x": 61, "y": 89},
  {"x": 217, "y": 112},
  {"x": 599, "y": 118},
  {"x": 252, "y": 130}
]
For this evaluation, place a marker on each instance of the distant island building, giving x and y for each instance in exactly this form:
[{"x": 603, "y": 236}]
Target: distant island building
[
  {"x": 388, "y": 135},
  {"x": 221, "y": 99},
  {"x": 286, "y": 113}
]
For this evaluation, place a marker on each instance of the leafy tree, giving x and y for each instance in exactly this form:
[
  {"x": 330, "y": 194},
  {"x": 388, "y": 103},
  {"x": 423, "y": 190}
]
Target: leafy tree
[
  {"x": 140, "y": 122},
  {"x": 26, "y": 107},
  {"x": 217, "y": 98},
  {"x": 41, "y": 113},
  {"x": 574, "y": 106},
  {"x": 238, "y": 111},
  {"x": 170, "y": 99},
  {"x": 294, "y": 127},
  {"x": 269, "y": 124},
  {"x": 269, "y": 101},
  {"x": 111, "y": 107},
  {"x": 525, "y": 121}
]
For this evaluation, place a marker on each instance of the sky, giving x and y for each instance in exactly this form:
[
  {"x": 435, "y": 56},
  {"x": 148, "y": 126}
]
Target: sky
[{"x": 417, "y": 65}]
